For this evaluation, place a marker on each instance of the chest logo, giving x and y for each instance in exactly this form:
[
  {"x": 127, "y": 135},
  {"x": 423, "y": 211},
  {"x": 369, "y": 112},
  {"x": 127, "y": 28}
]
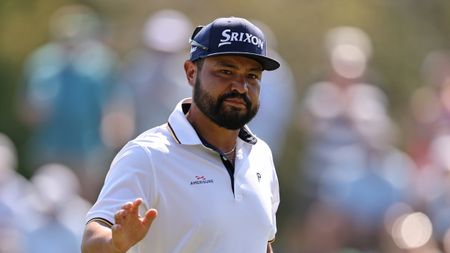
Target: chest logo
[
  {"x": 201, "y": 180},
  {"x": 258, "y": 175}
]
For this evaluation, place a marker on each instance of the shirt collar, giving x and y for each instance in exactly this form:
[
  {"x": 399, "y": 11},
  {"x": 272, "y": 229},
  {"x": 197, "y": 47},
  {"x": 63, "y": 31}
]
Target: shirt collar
[{"x": 183, "y": 132}]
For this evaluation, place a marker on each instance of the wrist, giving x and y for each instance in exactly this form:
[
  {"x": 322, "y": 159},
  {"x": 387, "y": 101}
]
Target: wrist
[{"x": 115, "y": 249}]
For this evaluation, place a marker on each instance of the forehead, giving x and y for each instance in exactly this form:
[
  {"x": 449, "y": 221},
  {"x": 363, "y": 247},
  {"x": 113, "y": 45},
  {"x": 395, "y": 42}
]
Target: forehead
[{"x": 236, "y": 61}]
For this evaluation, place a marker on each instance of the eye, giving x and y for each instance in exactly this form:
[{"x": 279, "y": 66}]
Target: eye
[
  {"x": 253, "y": 76},
  {"x": 226, "y": 71}
]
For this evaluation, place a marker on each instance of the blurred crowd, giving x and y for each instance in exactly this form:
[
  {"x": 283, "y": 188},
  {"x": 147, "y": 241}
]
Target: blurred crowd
[
  {"x": 362, "y": 188},
  {"x": 363, "y": 184}
]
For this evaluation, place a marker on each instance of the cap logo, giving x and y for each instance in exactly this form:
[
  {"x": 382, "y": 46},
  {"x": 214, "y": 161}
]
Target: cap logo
[{"x": 230, "y": 36}]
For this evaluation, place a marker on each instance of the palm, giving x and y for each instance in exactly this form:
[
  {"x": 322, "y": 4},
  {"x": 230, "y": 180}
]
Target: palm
[{"x": 129, "y": 227}]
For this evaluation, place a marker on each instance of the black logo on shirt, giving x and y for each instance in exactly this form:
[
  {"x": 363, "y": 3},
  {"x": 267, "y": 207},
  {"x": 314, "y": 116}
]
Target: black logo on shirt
[
  {"x": 258, "y": 175},
  {"x": 201, "y": 180}
]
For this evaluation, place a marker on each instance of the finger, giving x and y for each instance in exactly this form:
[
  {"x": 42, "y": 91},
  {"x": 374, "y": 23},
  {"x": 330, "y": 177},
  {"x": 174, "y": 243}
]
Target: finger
[
  {"x": 137, "y": 202},
  {"x": 120, "y": 215},
  {"x": 149, "y": 216},
  {"x": 127, "y": 206},
  {"x": 135, "y": 207}
]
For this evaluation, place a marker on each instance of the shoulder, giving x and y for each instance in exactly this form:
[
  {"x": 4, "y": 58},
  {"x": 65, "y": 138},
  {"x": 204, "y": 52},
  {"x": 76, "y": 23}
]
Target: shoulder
[
  {"x": 261, "y": 151},
  {"x": 48, "y": 54},
  {"x": 152, "y": 141},
  {"x": 257, "y": 144},
  {"x": 261, "y": 144},
  {"x": 155, "y": 139}
]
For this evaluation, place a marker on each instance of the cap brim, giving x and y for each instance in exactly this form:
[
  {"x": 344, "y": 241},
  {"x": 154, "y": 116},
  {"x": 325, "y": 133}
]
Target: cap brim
[{"x": 266, "y": 62}]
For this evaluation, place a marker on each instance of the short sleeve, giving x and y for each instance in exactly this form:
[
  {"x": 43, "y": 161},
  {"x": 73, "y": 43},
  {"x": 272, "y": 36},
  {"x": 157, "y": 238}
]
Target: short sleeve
[{"x": 130, "y": 176}]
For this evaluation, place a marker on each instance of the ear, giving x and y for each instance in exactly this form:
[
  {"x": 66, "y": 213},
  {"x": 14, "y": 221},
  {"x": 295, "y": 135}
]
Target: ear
[{"x": 191, "y": 72}]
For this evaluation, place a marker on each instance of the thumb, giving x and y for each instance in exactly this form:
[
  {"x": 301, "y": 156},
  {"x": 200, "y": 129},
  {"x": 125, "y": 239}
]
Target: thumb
[{"x": 149, "y": 216}]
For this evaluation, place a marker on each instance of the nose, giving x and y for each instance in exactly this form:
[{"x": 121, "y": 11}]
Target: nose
[{"x": 240, "y": 85}]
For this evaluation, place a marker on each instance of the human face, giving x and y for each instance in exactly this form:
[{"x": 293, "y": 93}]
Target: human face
[{"x": 227, "y": 90}]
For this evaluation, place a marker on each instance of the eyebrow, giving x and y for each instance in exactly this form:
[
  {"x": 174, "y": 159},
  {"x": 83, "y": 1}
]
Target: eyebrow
[{"x": 231, "y": 65}]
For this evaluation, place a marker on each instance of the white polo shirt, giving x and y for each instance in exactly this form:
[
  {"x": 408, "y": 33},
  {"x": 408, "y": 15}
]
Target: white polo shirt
[{"x": 188, "y": 183}]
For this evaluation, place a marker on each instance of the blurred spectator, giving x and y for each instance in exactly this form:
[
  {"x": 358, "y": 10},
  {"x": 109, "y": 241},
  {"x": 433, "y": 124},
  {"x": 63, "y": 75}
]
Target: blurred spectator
[
  {"x": 351, "y": 165},
  {"x": 333, "y": 104},
  {"x": 67, "y": 84},
  {"x": 277, "y": 88},
  {"x": 15, "y": 213},
  {"x": 11, "y": 236},
  {"x": 430, "y": 106},
  {"x": 14, "y": 188},
  {"x": 61, "y": 209},
  {"x": 429, "y": 141},
  {"x": 430, "y": 111},
  {"x": 438, "y": 200},
  {"x": 153, "y": 73}
]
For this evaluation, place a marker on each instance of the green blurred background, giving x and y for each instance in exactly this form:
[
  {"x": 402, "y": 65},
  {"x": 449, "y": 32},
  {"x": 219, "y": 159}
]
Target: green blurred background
[{"x": 402, "y": 32}]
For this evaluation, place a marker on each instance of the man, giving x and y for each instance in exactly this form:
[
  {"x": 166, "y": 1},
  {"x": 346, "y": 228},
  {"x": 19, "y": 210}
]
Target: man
[{"x": 201, "y": 182}]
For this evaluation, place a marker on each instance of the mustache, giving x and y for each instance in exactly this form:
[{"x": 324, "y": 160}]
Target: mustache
[{"x": 244, "y": 97}]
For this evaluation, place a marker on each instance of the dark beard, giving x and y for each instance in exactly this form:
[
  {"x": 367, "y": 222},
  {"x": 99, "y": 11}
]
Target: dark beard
[{"x": 229, "y": 118}]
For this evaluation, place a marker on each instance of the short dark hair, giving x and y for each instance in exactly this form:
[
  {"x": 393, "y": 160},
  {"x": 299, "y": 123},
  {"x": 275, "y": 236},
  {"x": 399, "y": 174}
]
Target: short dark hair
[{"x": 199, "y": 63}]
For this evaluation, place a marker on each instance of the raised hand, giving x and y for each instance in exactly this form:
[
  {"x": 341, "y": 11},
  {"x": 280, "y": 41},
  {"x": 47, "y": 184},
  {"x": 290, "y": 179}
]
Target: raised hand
[{"x": 129, "y": 227}]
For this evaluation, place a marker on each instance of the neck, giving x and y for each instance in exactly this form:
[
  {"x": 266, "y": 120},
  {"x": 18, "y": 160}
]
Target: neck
[{"x": 221, "y": 138}]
